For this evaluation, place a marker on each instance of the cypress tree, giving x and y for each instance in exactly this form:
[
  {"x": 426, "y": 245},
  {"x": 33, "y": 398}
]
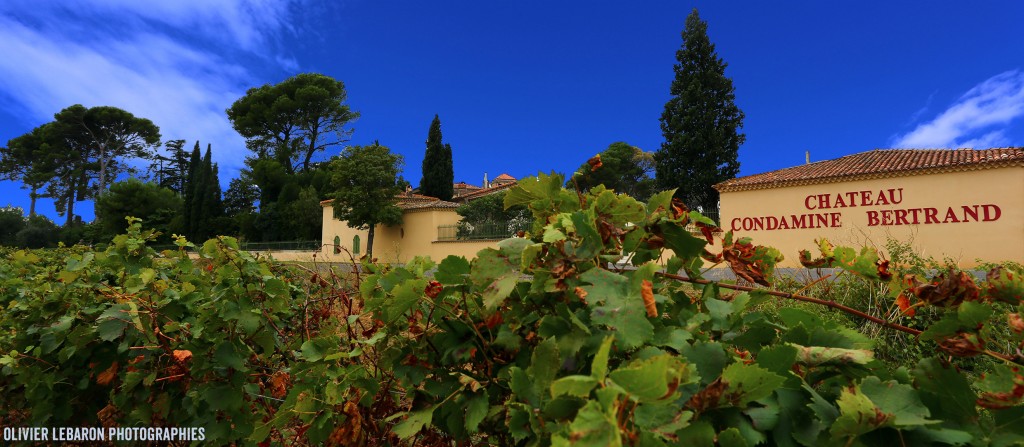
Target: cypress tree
[
  {"x": 438, "y": 176},
  {"x": 190, "y": 191},
  {"x": 212, "y": 208},
  {"x": 198, "y": 222},
  {"x": 700, "y": 122}
]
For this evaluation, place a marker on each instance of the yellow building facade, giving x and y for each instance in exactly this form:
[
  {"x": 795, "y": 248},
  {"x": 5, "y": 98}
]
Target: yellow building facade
[{"x": 965, "y": 205}]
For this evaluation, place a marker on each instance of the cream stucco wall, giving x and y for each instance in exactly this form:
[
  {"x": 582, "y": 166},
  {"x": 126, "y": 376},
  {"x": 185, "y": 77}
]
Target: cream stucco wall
[
  {"x": 416, "y": 236},
  {"x": 986, "y": 237}
]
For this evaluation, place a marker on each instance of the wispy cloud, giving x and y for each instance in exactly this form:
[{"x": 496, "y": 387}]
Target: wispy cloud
[
  {"x": 178, "y": 63},
  {"x": 977, "y": 119}
]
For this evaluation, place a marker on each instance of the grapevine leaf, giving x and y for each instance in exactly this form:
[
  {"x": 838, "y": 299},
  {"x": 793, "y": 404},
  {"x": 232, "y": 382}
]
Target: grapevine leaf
[
  {"x": 747, "y": 383},
  {"x": 900, "y": 403},
  {"x": 579, "y": 386},
  {"x": 681, "y": 242},
  {"x": 708, "y": 357},
  {"x": 495, "y": 276},
  {"x": 731, "y": 437},
  {"x": 452, "y": 271},
  {"x": 698, "y": 434},
  {"x": 599, "y": 367},
  {"x": 1005, "y": 285},
  {"x": 1009, "y": 427},
  {"x": 476, "y": 411},
  {"x": 594, "y": 426},
  {"x": 544, "y": 365},
  {"x": 227, "y": 355},
  {"x": 413, "y": 423},
  {"x": 858, "y": 415},
  {"x": 590, "y": 243},
  {"x": 648, "y": 380},
  {"x": 619, "y": 208},
  {"x": 946, "y": 392},
  {"x": 618, "y": 306}
]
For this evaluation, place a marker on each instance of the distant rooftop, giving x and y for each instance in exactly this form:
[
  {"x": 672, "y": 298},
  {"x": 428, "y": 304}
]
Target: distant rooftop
[{"x": 879, "y": 163}]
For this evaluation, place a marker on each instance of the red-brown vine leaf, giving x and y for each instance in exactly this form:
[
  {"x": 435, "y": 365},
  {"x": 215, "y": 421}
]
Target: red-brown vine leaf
[
  {"x": 904, "y": 304},
  {"x": 595, "y": 162},
  {"x": 709, "y": 397},
  {"x": 1006, "y": 399},
  {"x": 279, "y": 384},
  {"x": 1004, "y": 285},
  {"x": 433, "y": 289},
  {"x": 948, "y": 289},
  {"x": 1016, "y": 322},
  {"x": 708, "y": 231},
  {"x": 182, "y": 356},
  {"x": 963, "y": 344},
  {"x": 647, "y": 292},
  {"x": 753, "y": 263},
  {"x": 680, "y": 211},
  {"x": 104, "y": 378}
]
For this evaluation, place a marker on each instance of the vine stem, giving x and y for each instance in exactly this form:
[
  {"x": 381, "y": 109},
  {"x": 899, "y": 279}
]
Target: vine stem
[
  {"x": 832, "y": 304},
  {"x": 792, "y": 296}
]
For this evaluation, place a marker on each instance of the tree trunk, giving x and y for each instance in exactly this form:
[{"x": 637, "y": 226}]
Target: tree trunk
[
  {"x": 103, "y": 168},
  {"x": 369, "y": 244},
  {"x": 71, "y": 210},
  {"x": 32, "y": 206}
]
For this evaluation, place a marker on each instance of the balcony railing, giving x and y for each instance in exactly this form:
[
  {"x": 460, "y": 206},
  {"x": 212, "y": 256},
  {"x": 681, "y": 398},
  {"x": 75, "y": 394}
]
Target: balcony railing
[{"x": 480, "y": 231}]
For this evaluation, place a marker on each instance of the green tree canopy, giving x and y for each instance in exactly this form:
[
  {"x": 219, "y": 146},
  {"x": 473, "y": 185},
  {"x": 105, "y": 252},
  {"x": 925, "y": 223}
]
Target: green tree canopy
[
  {"x": 158, "y": 207},
  {"x": 438, "y": 175},
  {"x": 24, "y": 160},
  {"x": 79, "y": 146},
  {"x": 171, "y": 171},
  {"x": 491, "y": 209},
  {"x": 12, "y": 220},
  {"x": 110, "y": 135},
  {"x": 291, "y": 121},
  {"x": 624, "y": 168},
  {"x": 700, "y": 122},
  {"x": 364, "y": 183}
]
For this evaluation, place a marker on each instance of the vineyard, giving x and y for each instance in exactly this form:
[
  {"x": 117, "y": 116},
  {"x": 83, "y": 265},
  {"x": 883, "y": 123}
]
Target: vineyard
[{"x": 541, "y": 341}]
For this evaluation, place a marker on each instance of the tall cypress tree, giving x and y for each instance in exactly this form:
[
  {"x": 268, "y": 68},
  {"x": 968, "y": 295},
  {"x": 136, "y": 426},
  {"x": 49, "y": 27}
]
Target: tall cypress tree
[
  {"x": 700, "y": 123},
  {"x": 210, "y": 208},
  {"x": 199, "y": 220},
  {"x": 190, "y": 191},
  {"x": 438, "y": 176}
]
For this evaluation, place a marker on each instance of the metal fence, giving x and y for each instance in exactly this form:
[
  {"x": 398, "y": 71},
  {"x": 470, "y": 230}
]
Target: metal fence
[{"x": 480, "y": 231}]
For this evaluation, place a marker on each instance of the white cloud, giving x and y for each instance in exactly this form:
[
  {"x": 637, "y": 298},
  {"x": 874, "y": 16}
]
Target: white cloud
[
  {"x": 969, "y": 122},
  {"x": 177, "y": 63}
]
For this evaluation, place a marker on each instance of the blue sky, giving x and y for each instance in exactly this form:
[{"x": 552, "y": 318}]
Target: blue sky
[{"x": 527, "y": 86}]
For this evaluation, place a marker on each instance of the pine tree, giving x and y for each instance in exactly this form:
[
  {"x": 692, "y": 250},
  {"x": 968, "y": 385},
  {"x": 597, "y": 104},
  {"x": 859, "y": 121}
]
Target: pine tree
[
  {"x": 700, "y": 122},
  {"x": 438, "y": 176}
]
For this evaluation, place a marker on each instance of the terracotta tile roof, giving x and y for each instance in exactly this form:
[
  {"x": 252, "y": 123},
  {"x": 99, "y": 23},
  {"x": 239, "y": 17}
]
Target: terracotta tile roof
[
  {"x": 504, "y": 177},
  {"x": 409, "y": 200},
  {"x": 433, "y": 205},
  {"x": 465, "y": 185},
  {"x": 486, "y": 191},
  {"x": 879, "y": 163}
]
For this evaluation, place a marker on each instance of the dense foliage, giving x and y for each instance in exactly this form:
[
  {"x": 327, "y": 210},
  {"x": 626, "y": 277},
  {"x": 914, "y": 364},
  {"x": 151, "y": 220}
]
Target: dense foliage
[
  {"x": 160, "y": 207},
  {"x": 543, "y": 340},
  {"x": 700, "y": 123},
  {"x": 364, "y": 183},
  {"x": 81, "y": 145},
  {"x": 625, "y": 169},
  {"x": 438, "y": 175},
  {"x": 291, "y": 121}
]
